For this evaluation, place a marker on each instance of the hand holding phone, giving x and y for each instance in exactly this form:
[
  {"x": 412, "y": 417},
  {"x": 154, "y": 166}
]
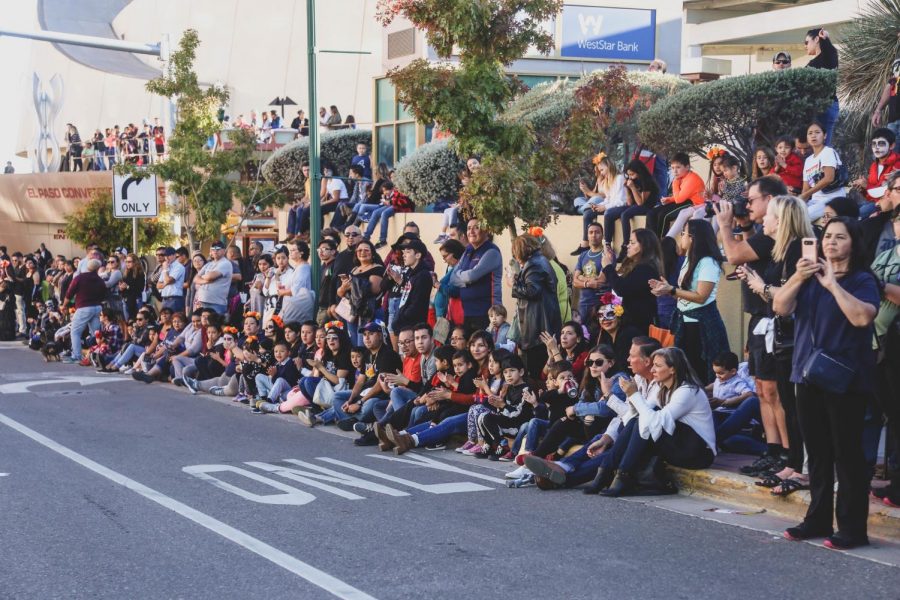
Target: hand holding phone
[{"x": 809, "y": 249}]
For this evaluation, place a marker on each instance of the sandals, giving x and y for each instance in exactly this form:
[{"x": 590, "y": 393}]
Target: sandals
[
  {"x": 770, "y": 481},
  {"x": 789, "y": 486}
]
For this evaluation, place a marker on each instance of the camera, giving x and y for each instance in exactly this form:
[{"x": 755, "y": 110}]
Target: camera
[{"x": 740, "y": 207}]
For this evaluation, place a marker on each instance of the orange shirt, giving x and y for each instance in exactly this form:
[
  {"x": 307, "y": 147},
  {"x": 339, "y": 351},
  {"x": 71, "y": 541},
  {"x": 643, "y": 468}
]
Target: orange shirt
[{"x": 689, "y": 187}]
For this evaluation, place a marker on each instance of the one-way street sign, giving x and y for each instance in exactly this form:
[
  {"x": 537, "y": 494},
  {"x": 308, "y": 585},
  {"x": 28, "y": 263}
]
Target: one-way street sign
[{"x": 134, "y": 198}]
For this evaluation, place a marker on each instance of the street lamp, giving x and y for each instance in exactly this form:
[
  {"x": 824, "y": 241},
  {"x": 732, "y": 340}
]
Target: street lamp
[{"x": 282, "y": 102}]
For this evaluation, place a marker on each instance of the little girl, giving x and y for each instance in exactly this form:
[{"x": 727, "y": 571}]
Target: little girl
[{"x": 483, "y": 389}]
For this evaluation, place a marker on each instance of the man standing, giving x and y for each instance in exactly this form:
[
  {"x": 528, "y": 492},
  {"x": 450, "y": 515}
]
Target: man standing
[
  {"x": 479, "y": 276},
  {"x": 17, "y": 270},
  {"x": 755, "y": 255},
  {"x": 171, "y": 282},
  {"x": 327, "y": 250},
  {"x": 343, "y": 262},
  {"x": 416, "y": 284},
  {"x": 89, "y": 291},
  {"x": 588, "y": 271},
  {"x": 214, "y": 280}
]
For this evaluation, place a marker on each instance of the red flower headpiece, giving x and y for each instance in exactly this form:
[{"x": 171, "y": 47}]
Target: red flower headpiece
[
  {"x": 279, "y": 322},
  {"x": 253, "y": 314},
  {"x": 715, "y": 152},
  {"x": 230, "y": 329}
]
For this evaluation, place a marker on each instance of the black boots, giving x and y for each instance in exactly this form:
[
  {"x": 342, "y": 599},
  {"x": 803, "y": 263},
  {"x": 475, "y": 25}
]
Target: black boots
[
  {"x": 601, "y": 481},
  {"x": 623, "y": 485}
]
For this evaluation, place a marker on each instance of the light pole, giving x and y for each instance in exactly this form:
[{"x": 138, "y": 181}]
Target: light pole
[{"x": 315, "y": 214}]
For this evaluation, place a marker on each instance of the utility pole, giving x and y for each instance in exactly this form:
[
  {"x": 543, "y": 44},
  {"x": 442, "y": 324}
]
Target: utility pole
[{"x": 315, "y": 216}]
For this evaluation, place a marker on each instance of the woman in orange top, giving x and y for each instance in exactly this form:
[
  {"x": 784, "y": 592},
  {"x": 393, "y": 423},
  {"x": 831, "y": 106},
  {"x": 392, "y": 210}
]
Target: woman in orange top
[{"x": 688, "y": 190}]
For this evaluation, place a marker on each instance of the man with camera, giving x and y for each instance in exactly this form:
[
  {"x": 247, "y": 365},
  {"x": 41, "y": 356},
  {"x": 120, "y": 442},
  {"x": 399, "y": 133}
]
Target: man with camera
[{"x": 755, "y": 255}]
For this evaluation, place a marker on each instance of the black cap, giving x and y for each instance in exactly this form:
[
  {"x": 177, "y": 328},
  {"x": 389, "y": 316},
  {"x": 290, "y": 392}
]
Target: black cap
[
  {"x": 782, "y": 55},
  {"x": 402, "y": 240},
  {"x": 169, "y": 251},
  {"x": 416, "y": 245},
  {"x": 217, "y": 245},
  {"x": 513, "y": 362}
]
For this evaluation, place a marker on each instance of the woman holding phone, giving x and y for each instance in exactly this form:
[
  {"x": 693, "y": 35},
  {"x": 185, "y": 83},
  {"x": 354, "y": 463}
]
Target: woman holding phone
[{"x": 834, "y": 301}]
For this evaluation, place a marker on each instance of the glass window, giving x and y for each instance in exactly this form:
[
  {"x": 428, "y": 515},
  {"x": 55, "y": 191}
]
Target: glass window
[
  {"x": 533, "y": 80},
  {"x": 403, "y": 113},
  {"x": 387, "y": 104},
  {"x": 406, "y": 139},
  {"x": 429, "y": 132},
  {"x": 384, "y": 137}
]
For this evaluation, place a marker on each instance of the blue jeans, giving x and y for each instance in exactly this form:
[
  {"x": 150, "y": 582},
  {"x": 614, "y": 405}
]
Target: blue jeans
[
  {"x": 273, "y": 391},
  {"x": 532, "y": 433},
  {"x": 441, "y": 432},
  {"x": 373, "y": 409},
  {"x": 729, "y": 424},
  {"x": 393, "y": 307},
  {"x": 293, "y": 224},
  {"x": 306, "y": 214},
  {"x": 219, "y": 308},
  {"x": 829, "y": 119},
  {"x": 364, "y": 211},
  {"x": 175, "y": 303},
  {"x": 383, "y": 214},
  {"x": 334, "y": 414},
  {"x": 130, "y": 352},
  {"x": 624, "y": 214},
  {"x": 87, "y": 317},
  {"x": 400, "y": 396}
]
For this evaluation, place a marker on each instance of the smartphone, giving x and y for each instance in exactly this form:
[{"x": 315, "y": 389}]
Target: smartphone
[{"x": 809, "y": 250}]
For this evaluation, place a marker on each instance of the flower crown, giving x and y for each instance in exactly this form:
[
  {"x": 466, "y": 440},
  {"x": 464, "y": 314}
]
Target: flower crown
[
  {"x": 334, "y": 325},
  {"x": 279, "y": 322},
  {"x": 230, "y": 329},
  {"x": 253, "y": 314},
  {"x": 611, "y": 299},
  {"x": 600, "y": 156},
  {"x": 537, "y": 232},
  {"x": 715, "y": 152},
  {"x": 250, "y": 340}
]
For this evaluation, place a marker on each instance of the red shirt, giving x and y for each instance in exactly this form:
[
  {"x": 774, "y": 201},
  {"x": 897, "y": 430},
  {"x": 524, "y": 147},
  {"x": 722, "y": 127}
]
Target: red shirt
[
  {"x": 879, "y": 171},
  {"x": 792, "y": 173}
]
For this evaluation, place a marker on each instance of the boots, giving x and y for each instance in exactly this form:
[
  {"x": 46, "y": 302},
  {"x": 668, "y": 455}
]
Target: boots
[
  {"x": 623, "y": 485},
  {"x": 601, "y": 481},
  {"x": 652, "y": 478}
]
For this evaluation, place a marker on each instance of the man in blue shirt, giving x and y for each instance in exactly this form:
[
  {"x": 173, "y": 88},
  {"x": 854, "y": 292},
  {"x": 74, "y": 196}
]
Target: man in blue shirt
[
  {"x": 171, "y": 282},
  {"x": 588, "y": 271}
]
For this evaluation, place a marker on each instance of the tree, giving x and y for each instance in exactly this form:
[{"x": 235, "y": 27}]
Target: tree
[
  {"x": 738, "y": 113},
  {"x": 206, "y": 183},
  {"x": 93, "y": 223},
  {"x": 870, "y": 43},
  {"x": 338, "y": 148},
  {"x": 467, "y": 98}
]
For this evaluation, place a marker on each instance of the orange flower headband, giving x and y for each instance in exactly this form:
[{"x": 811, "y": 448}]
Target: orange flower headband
[
  {"x": 715, "y": 152},
  {"x": 253, "y": 314},
  {"x": 279, "y": 322},
  {"x": 600, "y": 156},
  {"x": 250, "y": 340},
  {"x": 334, "y": 325},
  {"x": 536, "y": 231},
  {"x": 230, "y": 329}
]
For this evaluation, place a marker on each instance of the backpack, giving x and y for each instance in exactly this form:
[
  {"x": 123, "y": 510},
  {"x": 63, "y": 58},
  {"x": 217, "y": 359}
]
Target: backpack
[{"x": 841, "y": 176}]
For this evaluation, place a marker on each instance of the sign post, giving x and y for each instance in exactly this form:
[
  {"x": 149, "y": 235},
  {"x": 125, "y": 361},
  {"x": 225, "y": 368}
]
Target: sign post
[{"x": 135, "y": 198}]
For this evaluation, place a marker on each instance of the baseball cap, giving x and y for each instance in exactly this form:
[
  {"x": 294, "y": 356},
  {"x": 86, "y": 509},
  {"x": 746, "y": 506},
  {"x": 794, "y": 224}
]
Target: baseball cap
[
  {"x": 416, "y": 245},
  {"x": 217, "y": 245},
  {"x": 402, "y": 240},
  {"x": 782, "y": 55},
  {"x": 373, "y": 326}
]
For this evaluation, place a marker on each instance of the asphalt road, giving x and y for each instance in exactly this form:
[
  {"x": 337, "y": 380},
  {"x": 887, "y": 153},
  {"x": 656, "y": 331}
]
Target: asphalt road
[{"x": 111, "y": 488}]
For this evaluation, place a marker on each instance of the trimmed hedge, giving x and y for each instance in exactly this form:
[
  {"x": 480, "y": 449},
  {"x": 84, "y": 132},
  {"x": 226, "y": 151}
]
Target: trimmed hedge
[
  {"x": 282, "y": 169},
  {"x": 429, "y": 174}
]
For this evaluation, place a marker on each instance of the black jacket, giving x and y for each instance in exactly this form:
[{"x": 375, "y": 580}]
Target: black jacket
[
  {"x": 538, "y": 307},
  {"x": 415, "y": 296}
]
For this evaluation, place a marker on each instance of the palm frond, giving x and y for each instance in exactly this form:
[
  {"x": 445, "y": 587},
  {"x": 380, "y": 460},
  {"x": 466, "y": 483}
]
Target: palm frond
[{"x": 868, "y": 46}]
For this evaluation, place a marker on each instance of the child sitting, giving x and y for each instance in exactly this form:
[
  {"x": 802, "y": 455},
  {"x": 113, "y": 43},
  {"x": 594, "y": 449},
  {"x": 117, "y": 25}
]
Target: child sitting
[
  {"x": 734, "y": 405},
  {"x": 485, "y": 388},
  {"x": 277, "y": 381},
  {"x": 511, "y": 412},
  {"x": 499, "y": 328},
  {"x": 729, "y": 389},
  {"x": 788, "y": 165}
]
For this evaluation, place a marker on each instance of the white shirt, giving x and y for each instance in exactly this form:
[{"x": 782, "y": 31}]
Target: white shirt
[
  {"x": 625, "y": 411},
  {"x": 687, "y": 404},
  {"x": 216, "y": 291},
  {"x": 814, "y": 165},
  {"x": 337, "y": 184}
]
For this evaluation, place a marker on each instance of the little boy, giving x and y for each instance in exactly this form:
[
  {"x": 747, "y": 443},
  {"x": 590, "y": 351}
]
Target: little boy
[
  {"x": 729, "y": 389},
  {"x": 277, "y": 381},
  {"x": 499, "y": 328},
  {"x": 512, "y": 412}
]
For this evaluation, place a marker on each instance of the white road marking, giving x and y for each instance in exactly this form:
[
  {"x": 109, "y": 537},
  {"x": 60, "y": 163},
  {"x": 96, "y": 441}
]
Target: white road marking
[
  {"x": 433, "y": 488},
  {"x": 290, "y": 496},
  {"x": 417, "y": 460},
  {"x": 3, "y": 474},
  {"x": 311, "y": 574},
  {"x": 21, "y": 387}
]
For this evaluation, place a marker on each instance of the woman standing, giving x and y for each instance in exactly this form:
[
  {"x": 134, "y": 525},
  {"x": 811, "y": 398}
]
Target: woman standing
[
  {"x": 257, "y": 302},
  {"x": 534, "y": 288},
  {"x": 834, "y": 302},
  {"x": 132, "y": 284},
  {"x": 787, "y": 222},
  {"x": 825, "y": 56},
  {"x": 642, "y": 195},
  {"x": 7, "y": 312},
  {"x": 819, "y": 172},
  {"x": 447, "y": 304},
  {"x": 643, "y": 262},
  {"x": 190, "y": 290},
  {"x": 112, "y": 277},
  {"x": 696, "y": 299},
  {"x": 363, "y": 289}
]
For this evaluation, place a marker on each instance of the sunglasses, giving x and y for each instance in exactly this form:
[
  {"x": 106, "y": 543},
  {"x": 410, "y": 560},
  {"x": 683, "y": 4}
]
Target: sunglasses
[
  {"x": 352, "y": 234},
  {"x": 331, "y": 338},
  {"x": 139, "y": 318},
  {"x": 594, "y": 363}
]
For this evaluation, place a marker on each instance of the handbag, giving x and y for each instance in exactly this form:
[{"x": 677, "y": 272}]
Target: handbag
[
  {"x": 345, "y": 310},
  {"x": 665, "y": 337},
  {"x": 783, "y": 346},
  {"x": 824, "y": 370}
]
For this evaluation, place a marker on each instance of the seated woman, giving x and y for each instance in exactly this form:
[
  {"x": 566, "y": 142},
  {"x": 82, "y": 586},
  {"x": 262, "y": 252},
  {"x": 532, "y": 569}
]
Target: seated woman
[
  {"x": 608, "y": 192},
  {"x": 210, "y": 363},
  {"x": 110, "y": 338},
  {"x": 168, "y": 346},
  {"x": 133, "y": 346},
  {"x": 329, "y": 373},
  {"x": 680, "y": 433},
  {"x": 225, "y": 384},
  {"x": 572, "y": 347}
]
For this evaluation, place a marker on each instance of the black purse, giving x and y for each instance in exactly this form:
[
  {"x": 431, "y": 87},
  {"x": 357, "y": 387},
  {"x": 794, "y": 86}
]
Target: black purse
[
  {"x": 822, "y": 369},
  {"x": 783, "y": 347}
]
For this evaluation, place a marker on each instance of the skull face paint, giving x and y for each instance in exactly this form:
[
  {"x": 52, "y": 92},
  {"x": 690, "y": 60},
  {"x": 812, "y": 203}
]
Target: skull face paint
[
  {"x": 895, "y": 68},
  {"x": 880, "y": 147}
]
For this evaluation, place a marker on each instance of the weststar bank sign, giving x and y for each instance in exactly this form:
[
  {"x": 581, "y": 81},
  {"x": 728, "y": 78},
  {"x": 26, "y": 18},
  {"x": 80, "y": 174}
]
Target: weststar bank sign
[{"x": 608, "y": 33}]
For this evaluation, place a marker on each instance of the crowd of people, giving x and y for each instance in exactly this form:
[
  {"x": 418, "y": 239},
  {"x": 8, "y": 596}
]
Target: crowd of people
[
  {"x": 114, "y": 145},
  {"x": 599, "y": 378}
]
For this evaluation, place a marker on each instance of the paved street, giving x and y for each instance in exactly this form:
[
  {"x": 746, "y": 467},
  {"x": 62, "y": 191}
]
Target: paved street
[{"x": 111, "y": 488}]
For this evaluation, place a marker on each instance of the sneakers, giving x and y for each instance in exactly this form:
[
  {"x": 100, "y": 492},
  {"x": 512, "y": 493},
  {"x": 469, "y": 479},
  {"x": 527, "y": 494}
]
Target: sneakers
[
  {"x": 267, "y": 407},
  {"x": 124, "y": 368},
  {"x": 307, "y": 417},
  {"x": 346, "y": 424},
  {"x": 141, "y": 376},
  {"x": 242, "y": 398},
  {"x": 508, "y": 457},
  {"x": 68, "y": 360},
  {"x": 85, "y": 362},
  {"x": 128, "y": 371},
  {"x": 520, "y": 459},
  {"x": 467, "y": 446},
  {"x": 475, "y": 449},
  {"x": 525, "y": 481},
  {"x": 437, "y": 446},
  {"x": 441, "y": 238},
  {"x": 501, "y": 451},
  {"x": 362, "y": 428},
  {"x": 839, "y": 542},
  {"x": 178, "y": 382},
  {"x": 381, "y": 244},
  {"x": 579, "y": 251},
  {"x": 518, "y": 473},
  {"x": 191, "y": 384},
  {"x": 217, "y": 390}
]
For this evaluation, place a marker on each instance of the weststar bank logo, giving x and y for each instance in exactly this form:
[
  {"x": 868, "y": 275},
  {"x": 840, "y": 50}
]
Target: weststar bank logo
[{"x": 590, "y": 23}]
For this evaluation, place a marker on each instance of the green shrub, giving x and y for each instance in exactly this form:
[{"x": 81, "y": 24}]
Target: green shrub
[
  {"x": 282, "y": 169},
  {"x": 94, "y": 223},
  {"x": 429, "y": 174},
  {"x": 737, "y": 112}
]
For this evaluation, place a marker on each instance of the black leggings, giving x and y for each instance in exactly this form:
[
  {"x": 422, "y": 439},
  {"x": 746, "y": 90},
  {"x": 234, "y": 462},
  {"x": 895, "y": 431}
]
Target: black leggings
[
  {"x": 660, "y": 217},
  {"x": 572, "y": 429},
  {"x": 787, "y": 393},
  {"x": 693, "y": 349}
]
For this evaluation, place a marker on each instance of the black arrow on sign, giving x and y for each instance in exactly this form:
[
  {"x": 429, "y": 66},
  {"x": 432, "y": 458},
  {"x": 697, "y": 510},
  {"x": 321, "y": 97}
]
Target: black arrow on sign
[{"x": 130, "y": 180}]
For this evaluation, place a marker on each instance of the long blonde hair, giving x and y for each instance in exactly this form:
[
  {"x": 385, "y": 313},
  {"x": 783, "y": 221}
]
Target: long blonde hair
[
  {"x": 611, "y": 173},
  {"x": 793, "y": 224}
]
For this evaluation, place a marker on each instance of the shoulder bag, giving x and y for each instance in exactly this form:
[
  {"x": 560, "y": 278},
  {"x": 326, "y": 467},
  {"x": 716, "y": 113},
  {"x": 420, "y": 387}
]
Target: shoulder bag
[{"x": 824, "y": 370}]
